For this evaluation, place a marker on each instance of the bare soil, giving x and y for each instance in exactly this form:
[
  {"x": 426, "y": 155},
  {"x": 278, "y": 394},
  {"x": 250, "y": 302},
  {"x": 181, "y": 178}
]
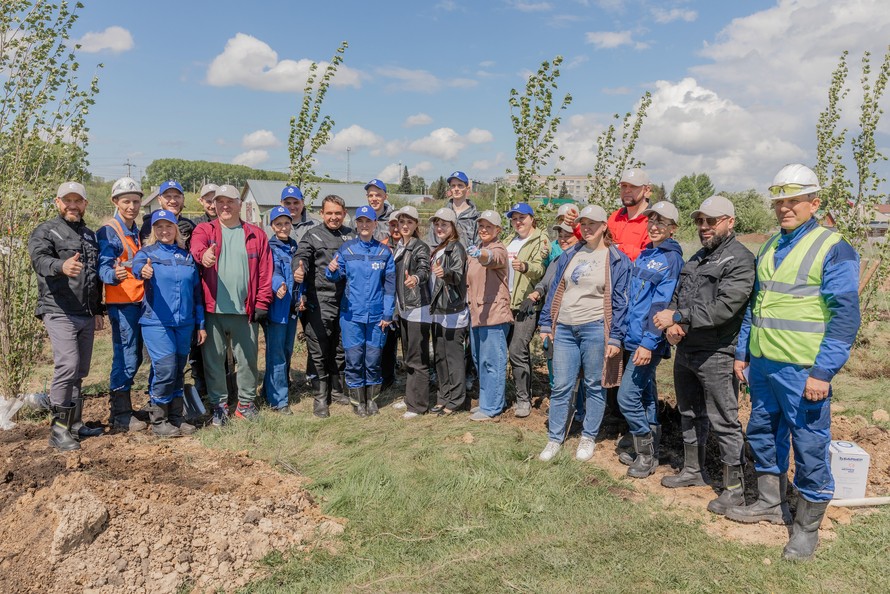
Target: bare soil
[{"x": 131, "y": 513}]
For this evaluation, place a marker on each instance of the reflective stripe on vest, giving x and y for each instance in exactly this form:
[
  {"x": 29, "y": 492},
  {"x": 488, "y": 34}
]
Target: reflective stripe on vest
[
  {"x": 130, "y": 290},
  {"x": 790, "y": 315}
]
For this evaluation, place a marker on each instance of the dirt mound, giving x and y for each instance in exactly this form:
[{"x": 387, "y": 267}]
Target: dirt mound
[{"x": 129, "y": 513}]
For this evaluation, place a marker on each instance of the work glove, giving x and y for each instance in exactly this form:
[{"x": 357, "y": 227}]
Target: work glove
[
  {"x": 527, "y": 307},
  {"x": 260, "y": 315},
  {"x": 473, "y": 251}
]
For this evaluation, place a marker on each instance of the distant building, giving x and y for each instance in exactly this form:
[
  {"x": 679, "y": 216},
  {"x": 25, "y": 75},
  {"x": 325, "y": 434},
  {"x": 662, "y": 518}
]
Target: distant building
[
  {"x": 578, "y": 186},
  {"x": 258, "y": 197}
]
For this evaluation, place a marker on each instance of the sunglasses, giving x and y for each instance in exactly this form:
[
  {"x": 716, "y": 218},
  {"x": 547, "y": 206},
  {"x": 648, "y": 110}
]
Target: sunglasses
[
  {"x": 787, "y": 189},
  {"x": 711, "y": 221}
]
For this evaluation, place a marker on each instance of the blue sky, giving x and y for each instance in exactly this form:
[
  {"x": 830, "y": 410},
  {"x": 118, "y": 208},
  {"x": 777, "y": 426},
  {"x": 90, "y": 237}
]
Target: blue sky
[{"x": 737, "y": 86}]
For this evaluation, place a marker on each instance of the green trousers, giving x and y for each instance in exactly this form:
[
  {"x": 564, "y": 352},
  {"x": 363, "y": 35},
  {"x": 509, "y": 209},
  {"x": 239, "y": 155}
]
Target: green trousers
[{"x": 244, "y": 336}]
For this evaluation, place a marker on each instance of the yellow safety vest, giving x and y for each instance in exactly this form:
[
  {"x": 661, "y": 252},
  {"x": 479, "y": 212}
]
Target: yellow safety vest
[{"x": 789, "y": 314}]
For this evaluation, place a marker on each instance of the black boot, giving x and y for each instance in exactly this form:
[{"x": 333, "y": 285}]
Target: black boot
[
  {"x": 320, "y": 406},
  {"x": 645, "y": 462},
  {"x": 656, "y": 441},
  {"x": 357, "y": 399},
  {"x": 693, "y": 473},
  {"x": 805, "y": 530},
  {"x": 371, "y": 395},
  {"x": 338, "y": 391},
  {"x": 626, "y": 456},
  {"x": 78, "y": 429},
  {"x": 733, "y": 494},
  {"x": 122, "y": 418},
  {"x": 177, "y": 417},
  {"x": 60, "y": 429},
  {"x": 771, "y": 505},
  {"x": 160, "y": 424}
]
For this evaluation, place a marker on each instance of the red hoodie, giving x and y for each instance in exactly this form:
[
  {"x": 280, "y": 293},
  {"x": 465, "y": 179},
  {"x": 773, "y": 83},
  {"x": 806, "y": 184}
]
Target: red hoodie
[{"x": 259, "y": 265}]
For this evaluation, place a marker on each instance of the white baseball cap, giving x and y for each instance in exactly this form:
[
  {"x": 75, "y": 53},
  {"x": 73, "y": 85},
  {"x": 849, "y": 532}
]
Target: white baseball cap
[
  {"x": 492, "y": 217},
  {"x": 664, "y": 209},
  {"x": 593, "y": 212}
]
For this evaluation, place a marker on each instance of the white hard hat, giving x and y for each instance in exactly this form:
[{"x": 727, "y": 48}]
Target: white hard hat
[
  {"x": 794, "y": 180},
  {"x": 126, "y": 185}
]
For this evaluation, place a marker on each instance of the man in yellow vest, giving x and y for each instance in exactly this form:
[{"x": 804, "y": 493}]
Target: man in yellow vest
[{"x": 802, "y": 321}]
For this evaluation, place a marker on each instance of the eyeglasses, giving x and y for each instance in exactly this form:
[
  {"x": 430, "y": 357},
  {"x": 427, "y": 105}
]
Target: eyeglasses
[
  {"x": 787, "y": 189},
  {"x": 711, "y": 221}
]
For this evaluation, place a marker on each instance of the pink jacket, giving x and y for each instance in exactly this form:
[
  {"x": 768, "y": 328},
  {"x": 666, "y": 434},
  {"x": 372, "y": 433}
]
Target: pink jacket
[
  {"x": 487, "y": 291},
  {"x": 259, "y": 265}
]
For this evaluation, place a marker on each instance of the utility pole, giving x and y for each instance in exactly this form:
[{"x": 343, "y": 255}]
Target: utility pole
[
  {"x": 129, "y": 166},
  {"x": 348, "y": 169}
]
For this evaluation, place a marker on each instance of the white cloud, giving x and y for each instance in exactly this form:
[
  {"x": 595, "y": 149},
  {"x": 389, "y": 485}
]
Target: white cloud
[
  {"x": 251, "y": 158},
  {"x": 447, "y": 144},
  {"x": 353, "y": 137},
  {"x": 616, "y": 91},
  {"x": 259, "y": 139},
  {"x": 448, "y": 6},
  {"x": 663, "y": 16},
  {"x": 479, "y": 136},
  {"x": 247, "y": 61},
  {"x": 421, "y": 168},
  {"x": 531, "y": 6},
  {"x": 419, "y": 81},
  {"x": 488, "y": 165},
  {"x": 418, "y": 119},
  {"x": 486, "y": 63},
  {"x": 114, "y": 39},
  {"x": 391, "y": 174},
  {"x": 609, "y": 39}
]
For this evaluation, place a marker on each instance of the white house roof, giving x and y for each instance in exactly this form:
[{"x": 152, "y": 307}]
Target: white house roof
[{"x": 268, "y": 193}]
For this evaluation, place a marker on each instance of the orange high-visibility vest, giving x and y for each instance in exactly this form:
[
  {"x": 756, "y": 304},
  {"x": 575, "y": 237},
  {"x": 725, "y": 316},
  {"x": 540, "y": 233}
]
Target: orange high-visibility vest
[{"x": 130, "y": 290}]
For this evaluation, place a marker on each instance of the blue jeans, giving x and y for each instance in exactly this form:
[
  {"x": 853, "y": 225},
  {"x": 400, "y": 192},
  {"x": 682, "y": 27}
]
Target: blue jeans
[
  {"x": 168, "y": 347},
  {"x": 779, "y": 414},
  {"x": 577, "y": 348},
  {"x": 279, "y": 348},
  {"x": 489, "y": 345},
  {"x": 637, "y": 396},
  {"x": 126, "y": 342},
  {"x": 363, "y": 346}
]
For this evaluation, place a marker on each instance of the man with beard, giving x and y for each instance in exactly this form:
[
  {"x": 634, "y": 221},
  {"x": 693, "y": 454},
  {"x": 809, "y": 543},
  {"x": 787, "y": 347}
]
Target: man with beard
[
  {"x": 703, "y": 320},
  {"x": 628, "y": 224}
]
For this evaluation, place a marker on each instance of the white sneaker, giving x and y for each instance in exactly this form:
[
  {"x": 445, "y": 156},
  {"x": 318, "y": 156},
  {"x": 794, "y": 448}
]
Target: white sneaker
[
  {"x": 550, "y": 450},
  {"x": 410, "y": 415},
  {"x": 400, "y": 405},
  {"x": 585, "y": 449}
]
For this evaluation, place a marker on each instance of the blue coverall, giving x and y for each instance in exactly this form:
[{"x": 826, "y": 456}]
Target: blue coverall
[
  {"x": 369, "y": 298},
  {"x": 281, "y": 326},
  {"x": 172, "y": 306},
  {"x": 778, "y": 408}
]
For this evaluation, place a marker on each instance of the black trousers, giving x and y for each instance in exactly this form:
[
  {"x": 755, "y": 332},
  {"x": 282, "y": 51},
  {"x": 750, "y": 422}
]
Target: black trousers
[
  {"x": 448, "y": 350},
  {"x": 323, "y": 344},
  {"x": 388, "y": 360},
  {"x": 520, "y": 336},
  {"x": 416, "y": 355}
]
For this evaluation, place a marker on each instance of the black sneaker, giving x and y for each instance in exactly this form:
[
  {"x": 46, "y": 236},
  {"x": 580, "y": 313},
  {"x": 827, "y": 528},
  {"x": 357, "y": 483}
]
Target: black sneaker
[{"x": 220, "y": 415}]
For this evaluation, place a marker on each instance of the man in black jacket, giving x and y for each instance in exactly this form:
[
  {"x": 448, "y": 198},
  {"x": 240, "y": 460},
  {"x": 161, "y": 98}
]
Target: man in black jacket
[
  {"x": 171, "y": 197},
  {"x": 65, "y": 256},
  {"x": 703, "y": 320},
  {"x": 321, "y": 319}
]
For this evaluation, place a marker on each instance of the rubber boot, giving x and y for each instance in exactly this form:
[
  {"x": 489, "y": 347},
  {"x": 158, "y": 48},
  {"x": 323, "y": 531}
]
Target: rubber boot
[
  {"x": 357, "y": 400},
  {"x": 805, "y": 530},
  {"x": 160, "y": 424},
  {"x": 733, "y": 494},
  {"x": 371, "y": 395},
  {"x": 177, "y": 417},
  {"x": 693, "y": 473},
  {"x": 60, "y": 429},
  {"x": 320, "y": 406},
  {"x": 122, "y": 418},
  {"x": 645, "y": 461},
  {"x": 656, "y": 441},
  {"x": 771, "y": 505},
  {"x": 338, "y": 390},
  {"x": 78, "y": 429}
]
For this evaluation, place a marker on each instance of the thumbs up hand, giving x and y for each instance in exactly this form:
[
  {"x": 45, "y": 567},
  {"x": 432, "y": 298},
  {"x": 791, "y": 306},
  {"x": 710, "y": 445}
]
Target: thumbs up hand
[
  {"x": 72, "y": 266},
  {"x": 334, "y": 266},
  {"x": 120, "y": 273},
  {"x": 147, "y": 270},
  {"x": 282, "y": 291},
  {"x": 410, "y": 281},
  {"x": 438, "y": 270},
  {"x": 209, "y": 257},
  {"x": 299, "y": 273}
]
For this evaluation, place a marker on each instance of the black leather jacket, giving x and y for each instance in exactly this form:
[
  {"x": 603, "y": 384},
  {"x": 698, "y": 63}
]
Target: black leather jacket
[
  {"x": 415, "y": 260},
  {"x": 450, "y": 293},
  {"x": 50, "y": 244},
  {"x": 316, "y": 251}
]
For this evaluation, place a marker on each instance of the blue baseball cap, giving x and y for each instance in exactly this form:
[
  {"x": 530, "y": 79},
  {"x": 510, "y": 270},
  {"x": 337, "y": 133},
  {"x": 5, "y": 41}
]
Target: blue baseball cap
[
  {"x": 291, "y": 192},
  {"x": 280, "y": 211},
  {"x": 366, "y": 212},
  {"x": 163, "y": 215},
  {"x": 170, "y": 184},
  {"x": 458, "y": 175},
  {"x": 520, "y": 208},
  {"x": 376, "y": 183}
]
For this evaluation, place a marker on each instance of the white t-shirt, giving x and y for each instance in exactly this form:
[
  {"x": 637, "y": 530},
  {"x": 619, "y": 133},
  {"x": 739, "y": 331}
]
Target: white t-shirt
[
  {"x": 460, "y": 319},
  {"x": 512, "y": 253},
  {"x": 585, "y": 279}
]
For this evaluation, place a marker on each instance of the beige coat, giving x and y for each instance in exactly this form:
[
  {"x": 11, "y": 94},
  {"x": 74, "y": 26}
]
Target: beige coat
[{"x": 487, "y": 293}]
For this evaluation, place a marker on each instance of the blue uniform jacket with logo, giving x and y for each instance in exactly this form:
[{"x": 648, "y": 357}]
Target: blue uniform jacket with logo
[
  {"x": 283, "y": 253},
  {"x": 173, "y": 294},
  {"x": 653, "y": 280},
  {"x": 370, "y": 275}
]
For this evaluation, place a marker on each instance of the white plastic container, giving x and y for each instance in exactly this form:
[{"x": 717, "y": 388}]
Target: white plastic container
[{"x": 849, "y": 466}]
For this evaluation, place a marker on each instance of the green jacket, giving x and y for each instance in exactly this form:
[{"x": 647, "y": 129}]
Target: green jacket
[{"x": 533, "y": 252}]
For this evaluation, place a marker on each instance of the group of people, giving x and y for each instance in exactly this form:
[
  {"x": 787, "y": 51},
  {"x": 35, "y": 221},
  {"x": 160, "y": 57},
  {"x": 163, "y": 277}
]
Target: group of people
[{"x": 609, "y": 297}]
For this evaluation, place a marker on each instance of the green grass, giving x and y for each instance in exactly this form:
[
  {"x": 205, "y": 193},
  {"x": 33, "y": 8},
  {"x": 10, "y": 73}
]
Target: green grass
[{"x": 429, "y": 512}]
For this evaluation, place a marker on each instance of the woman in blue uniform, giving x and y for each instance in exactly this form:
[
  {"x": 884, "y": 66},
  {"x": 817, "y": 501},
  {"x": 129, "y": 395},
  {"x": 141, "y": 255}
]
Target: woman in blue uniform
[
  {"x": 366, "y": 310},
  {"x": 172, "y": 306}
]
